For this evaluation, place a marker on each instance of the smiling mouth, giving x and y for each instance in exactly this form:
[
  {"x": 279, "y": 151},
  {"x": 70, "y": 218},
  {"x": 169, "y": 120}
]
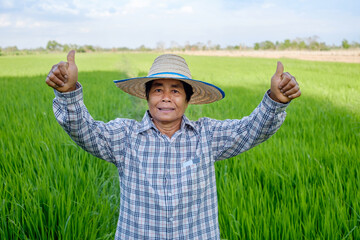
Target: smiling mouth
[{"x": 166, "y": 109}]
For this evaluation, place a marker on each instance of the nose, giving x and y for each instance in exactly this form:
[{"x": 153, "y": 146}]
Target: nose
[
  {"x": 166, "y": 97},
  {"x": 166, "y": 100}
]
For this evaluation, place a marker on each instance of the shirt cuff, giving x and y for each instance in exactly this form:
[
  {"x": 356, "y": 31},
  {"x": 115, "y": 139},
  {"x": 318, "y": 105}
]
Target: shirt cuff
[
  {"x": 70, "y": 97},
  {"x": 271, "y": 104}
]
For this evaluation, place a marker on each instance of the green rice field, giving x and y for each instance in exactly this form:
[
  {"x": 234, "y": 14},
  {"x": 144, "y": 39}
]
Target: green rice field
[{"x": 303, "y": 183}]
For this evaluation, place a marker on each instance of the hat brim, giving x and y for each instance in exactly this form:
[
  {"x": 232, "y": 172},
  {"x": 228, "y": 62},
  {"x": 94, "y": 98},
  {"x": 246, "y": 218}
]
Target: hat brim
[{"x": 203, "y": 92}]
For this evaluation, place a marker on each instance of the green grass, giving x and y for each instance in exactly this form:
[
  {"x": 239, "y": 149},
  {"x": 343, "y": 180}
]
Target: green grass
[{"x": 303, "y": 183}]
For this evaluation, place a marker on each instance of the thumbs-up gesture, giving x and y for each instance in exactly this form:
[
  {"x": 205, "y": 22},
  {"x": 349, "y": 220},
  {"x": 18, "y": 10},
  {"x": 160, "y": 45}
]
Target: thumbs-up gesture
[
  {"x": 64, "y": 75},
  {"x": 283, "y": 86}
]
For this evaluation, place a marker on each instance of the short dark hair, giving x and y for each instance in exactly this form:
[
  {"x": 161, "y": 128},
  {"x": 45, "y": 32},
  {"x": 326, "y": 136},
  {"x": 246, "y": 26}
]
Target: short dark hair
[{"x": 187, "y": 87}]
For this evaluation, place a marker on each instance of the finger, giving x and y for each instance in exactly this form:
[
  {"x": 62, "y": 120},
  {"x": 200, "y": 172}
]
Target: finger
[
  {"x": 57, "y": 72},
  {"x": 63, "y": 71},
  {"x": 52, "y": 68},
  {"x": 295, "y": 95},
  {"x": 291, "y": 84},
  {"x": 285, "y": 79},
  {"x": 292, "y": 90},
  {"x": 51, "y": 83},
  {"x": 279, "y": 69},
  {"x": 71, "y": 57},
  {"x": 53, "y": 78}
]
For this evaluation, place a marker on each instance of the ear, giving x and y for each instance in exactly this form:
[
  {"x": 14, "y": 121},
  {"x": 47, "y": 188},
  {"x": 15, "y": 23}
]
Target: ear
[{"x": 147, "y": 88}]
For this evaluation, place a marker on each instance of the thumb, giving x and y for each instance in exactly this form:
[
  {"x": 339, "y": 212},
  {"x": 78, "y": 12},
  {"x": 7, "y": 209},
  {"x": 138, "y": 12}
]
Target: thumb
[
  {"x": 279, "y": 69},
  {"x": 71, "y": 57}
]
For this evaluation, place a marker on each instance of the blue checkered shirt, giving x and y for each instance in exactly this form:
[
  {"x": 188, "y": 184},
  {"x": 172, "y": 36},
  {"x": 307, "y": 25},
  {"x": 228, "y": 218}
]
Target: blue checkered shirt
[{"x": 167, "y": 185}]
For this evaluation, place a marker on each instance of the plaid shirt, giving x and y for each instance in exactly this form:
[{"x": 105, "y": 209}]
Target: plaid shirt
[{"x": 168, "y": 188}]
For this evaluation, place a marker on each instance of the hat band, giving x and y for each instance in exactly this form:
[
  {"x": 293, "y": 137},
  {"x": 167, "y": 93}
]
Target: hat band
[{"x": 172, "y": 73}]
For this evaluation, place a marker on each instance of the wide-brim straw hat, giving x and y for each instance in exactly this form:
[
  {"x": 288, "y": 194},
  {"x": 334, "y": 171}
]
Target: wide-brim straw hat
[{"x": 170, "y": 66}]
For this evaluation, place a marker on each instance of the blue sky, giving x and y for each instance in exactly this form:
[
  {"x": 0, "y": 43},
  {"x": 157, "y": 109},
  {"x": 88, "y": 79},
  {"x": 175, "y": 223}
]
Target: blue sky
[{"x": 131, "y": 23}]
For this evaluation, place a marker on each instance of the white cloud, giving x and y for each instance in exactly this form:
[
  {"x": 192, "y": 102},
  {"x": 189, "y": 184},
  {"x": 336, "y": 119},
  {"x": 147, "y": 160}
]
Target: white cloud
[
  {"x": 84, "y": 30},
  {"x": 20, "y": 24},
  {"x": 267, "y": 5},
  {"x": 7, "y": 3},
  {"x": 57, "y": 7},
  {"x": 4, "y": 21},
  {"x": 181, "y": 10},
  {"x": 134, "y": 22},
  {"x": 30, "y": 23},
  {"x": 94, "y": 13},
  {"x": 134, "y": 6}
]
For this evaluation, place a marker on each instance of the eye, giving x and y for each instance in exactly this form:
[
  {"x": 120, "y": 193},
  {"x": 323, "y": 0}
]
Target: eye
[
  {"x": 175, "y": 91},
  {"x": 157, "y": 90}
]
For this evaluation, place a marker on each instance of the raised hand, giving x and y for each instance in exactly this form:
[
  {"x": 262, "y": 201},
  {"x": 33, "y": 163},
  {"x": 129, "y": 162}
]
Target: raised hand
[
  {"x": 64, "y": 75},
  {"x": 283, "y": 85}
]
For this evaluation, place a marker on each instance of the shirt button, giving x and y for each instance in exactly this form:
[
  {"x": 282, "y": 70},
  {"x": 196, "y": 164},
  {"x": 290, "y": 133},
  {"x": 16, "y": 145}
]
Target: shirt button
[
  {"x": 171, "y": 219},
  {"x": 169, "y": 194}
]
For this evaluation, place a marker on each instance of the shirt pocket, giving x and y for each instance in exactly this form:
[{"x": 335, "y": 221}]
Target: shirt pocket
[{"x": 193, "y": 177}]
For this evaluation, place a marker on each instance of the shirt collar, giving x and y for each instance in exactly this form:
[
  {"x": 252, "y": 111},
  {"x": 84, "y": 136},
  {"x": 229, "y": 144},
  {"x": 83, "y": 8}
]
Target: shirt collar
[{"x": 147, "y": 123}]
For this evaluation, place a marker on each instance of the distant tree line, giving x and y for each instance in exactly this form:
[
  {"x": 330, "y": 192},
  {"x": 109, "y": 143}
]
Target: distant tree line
[
  {"x": 55, "y": 46},
  {"x": 310, "y": 43}
]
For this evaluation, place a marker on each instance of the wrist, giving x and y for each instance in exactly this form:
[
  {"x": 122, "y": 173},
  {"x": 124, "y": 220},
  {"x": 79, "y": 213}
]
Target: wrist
[
  {"x": 72, "y": 88},
  {"x": 273, "y": 97}
]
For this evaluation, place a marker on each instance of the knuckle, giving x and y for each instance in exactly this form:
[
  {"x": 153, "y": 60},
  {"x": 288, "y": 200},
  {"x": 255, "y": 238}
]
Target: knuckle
[
  {"x": 62, "y": 65},
  {"x": 63, "y": 69}
]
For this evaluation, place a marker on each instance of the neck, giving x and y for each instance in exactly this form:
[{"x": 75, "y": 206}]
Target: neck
[{"x": 168, "y": 128}]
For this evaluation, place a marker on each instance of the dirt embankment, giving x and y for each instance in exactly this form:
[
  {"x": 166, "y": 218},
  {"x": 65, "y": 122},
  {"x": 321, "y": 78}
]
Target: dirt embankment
[{"x": 348, "y": 56}]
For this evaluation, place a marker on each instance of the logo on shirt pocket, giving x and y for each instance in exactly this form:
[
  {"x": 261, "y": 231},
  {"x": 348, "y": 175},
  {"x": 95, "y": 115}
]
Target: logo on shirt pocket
[{"x": 191, "y": 162}]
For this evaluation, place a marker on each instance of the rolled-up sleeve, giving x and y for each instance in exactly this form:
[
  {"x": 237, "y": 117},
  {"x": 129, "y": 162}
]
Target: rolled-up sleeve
[
  {"x": 232, "y": 137},
  {"x": 96, "y": 137}
]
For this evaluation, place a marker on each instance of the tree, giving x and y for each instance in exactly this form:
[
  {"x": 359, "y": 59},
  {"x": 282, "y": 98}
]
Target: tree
[
  {"x": 302, "y": 45},
  {"x": 355, "y": 44},
  {"x": 268, "y": 45},
  {"x": 89, "y": 48},
  {"x": 66, "y": 48},
  {"x": 11, "y": 49},
  {"x": 200, "y": 46},
  {"x": 345, "y": 44},
  {"x": 286, "y": 44},
  {"x": 142, "y": 48},
  {"x": 52, "y": 45}
]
